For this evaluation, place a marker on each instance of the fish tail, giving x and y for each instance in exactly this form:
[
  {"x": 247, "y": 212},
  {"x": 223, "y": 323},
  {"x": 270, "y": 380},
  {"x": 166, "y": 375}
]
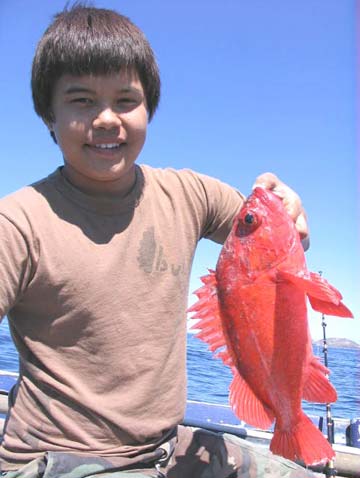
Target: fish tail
[{"x": 304, "y": 442}]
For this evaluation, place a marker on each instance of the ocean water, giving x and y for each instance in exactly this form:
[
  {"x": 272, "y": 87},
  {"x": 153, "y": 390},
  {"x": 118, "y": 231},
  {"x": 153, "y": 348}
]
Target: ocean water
[{"x": 209, "y": 379}]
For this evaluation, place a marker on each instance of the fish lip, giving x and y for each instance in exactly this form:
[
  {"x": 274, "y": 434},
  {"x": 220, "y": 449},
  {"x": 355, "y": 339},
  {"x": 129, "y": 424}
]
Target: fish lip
[
  {"x": 263, "y": 193},
  {"x": 265, "y": 197}
]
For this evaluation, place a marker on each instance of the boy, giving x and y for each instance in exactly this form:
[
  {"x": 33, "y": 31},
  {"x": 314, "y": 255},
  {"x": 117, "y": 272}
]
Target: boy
[{"x": 94, "y": 264}]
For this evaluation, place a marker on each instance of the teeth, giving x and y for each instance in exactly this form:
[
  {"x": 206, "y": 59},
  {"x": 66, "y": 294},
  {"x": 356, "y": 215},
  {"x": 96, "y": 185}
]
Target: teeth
[{"x": 107, "y": 146}]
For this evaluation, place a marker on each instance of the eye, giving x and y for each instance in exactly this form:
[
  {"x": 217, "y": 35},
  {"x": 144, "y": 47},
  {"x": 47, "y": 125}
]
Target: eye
[
  {"x": 126, "y": 103},
  {"x": 249, "y": 218},
  {"x": 126, "y": 100},
  {"x": 82, "y": 101},
  {"x": 248, "y": 222}
]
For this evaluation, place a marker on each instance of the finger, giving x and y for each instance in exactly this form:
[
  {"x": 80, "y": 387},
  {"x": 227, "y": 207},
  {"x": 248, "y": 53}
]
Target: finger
[
  {"x": 290, "y": 199},
  {"x": 266, "y": 181},
  {"x": 302, "y": 225}
]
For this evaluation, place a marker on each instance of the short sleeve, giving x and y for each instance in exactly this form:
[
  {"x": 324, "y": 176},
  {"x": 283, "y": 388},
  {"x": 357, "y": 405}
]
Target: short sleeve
[
  {"x": 15, "y": 264},
  {"x": 223, "y": 202}
]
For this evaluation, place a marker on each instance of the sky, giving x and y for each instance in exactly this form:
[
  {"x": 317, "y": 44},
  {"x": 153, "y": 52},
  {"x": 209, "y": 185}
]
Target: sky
[{"x": 248, "y": 86}]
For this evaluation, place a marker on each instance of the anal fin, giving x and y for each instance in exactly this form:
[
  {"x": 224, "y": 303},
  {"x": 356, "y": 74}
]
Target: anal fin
[{"x": 246, "y": 404}]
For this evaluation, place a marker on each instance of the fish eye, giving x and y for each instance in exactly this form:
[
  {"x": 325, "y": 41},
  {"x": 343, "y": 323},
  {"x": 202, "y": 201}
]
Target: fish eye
[
  {"x": 249, "y": 218},
  {"x": 248, "y": 221}
]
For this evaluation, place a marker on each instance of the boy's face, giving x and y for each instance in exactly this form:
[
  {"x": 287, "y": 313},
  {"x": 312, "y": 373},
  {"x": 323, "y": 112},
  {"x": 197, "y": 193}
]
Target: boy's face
[{"x": 100, "y": 125}]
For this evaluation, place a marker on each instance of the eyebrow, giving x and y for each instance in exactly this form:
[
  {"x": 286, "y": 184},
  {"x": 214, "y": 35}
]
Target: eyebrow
[
  {"x": 77, "y": 89},
  {"x": 83, "y": 89}
]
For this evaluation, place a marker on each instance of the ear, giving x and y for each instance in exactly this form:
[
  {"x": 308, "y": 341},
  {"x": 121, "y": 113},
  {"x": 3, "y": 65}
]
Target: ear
[
  {"x": 49, "y": 123},
  {"x": 50, "y": 126},
  {"x": 52, "y": 134}
]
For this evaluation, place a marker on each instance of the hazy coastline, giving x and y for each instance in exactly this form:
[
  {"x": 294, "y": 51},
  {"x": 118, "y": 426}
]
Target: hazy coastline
[{"x": 339, "y": 343}]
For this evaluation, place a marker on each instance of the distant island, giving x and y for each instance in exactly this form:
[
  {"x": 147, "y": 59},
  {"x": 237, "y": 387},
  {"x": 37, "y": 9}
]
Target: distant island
[{"x": 338, "y": 343}]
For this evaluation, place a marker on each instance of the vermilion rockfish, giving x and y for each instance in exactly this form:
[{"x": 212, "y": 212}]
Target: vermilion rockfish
[{"x": 254, "y": 308}]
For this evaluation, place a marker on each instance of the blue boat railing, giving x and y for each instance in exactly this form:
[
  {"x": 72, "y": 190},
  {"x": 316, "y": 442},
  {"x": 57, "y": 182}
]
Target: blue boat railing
[{"x": 216, "y": 417}]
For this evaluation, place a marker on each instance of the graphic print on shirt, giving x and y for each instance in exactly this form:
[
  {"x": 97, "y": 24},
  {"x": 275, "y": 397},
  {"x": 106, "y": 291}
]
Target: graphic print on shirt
[{"x": 151, "y": 256}]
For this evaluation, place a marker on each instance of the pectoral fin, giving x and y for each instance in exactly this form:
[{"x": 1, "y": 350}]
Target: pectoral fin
[
  {"x": 323, "y": 296},
  {"x": 340, "y": 310}
]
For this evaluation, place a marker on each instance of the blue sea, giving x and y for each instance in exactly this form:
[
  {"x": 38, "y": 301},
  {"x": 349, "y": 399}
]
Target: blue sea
[{"x": 209, "y": 379}]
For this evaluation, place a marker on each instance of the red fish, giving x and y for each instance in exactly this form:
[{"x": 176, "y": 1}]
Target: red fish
[{"x": 254, "y": 308}]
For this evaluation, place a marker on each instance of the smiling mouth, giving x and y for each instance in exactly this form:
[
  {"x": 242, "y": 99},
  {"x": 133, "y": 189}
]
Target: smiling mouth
[
  {"x": 107, "y": 146},
  {"x": 108, "y": 149}
]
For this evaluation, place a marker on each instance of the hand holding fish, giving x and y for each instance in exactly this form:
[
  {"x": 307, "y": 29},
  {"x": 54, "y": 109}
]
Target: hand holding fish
[{"x": 291, "y": 201}]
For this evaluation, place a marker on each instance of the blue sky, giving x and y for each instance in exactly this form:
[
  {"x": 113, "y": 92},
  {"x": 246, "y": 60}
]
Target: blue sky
[{"x": 248, "y": 87}]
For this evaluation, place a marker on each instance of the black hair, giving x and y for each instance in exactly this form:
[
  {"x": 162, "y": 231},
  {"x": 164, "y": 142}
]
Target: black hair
[{"x": 85, "y": 40}]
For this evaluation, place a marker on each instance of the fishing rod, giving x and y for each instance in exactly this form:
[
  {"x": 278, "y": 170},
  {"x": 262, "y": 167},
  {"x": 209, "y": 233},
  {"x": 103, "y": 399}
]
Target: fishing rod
[{"x": 330, "y": 467}]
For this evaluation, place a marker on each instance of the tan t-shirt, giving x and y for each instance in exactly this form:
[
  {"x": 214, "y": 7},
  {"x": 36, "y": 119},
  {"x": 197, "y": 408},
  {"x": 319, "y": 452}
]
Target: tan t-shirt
[{"x": 96, "y": 292}]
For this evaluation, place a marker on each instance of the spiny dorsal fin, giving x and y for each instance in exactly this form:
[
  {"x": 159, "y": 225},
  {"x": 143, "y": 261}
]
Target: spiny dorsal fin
[{"x": 206, "y": 309}]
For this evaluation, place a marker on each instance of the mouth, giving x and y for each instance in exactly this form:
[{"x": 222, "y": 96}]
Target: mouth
[{"x": 106, "y": 148}]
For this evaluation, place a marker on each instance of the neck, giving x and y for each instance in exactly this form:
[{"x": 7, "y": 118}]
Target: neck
[{"x": 118, "y": 188}]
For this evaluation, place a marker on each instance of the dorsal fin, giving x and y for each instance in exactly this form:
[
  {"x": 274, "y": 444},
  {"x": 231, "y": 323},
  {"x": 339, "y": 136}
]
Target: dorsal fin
[
  {"x": 317, "y": 387},
  {"x": 206, "y": 309}
]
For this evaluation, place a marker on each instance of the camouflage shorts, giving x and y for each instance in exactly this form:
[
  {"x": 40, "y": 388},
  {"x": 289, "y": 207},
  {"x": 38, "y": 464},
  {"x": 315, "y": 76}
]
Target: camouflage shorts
[{"x": 194, "y": 453}]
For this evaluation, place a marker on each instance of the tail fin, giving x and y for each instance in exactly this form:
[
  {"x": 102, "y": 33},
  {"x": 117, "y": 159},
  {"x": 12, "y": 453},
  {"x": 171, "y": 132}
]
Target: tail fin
[{"x": 305, "y": 442}]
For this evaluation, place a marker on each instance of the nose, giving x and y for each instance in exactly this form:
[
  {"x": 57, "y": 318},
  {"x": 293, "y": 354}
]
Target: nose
[{"x": 107, "y": 119}]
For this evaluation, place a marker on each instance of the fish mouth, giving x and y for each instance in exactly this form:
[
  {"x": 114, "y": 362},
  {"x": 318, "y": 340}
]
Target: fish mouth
[
  {"x": 264, "y": 194},
  {"x": 262, "y": 197}
]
